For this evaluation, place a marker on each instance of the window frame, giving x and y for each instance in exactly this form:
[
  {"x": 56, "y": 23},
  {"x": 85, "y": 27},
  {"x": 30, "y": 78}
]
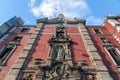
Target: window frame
[
  {"x": 6, "y": 55},
  {"x": 114, "y": 58},
  {"x": 25, "y": 30},
  {"x": 17, "y": 39},
  {"x": 100, "y": 32}
]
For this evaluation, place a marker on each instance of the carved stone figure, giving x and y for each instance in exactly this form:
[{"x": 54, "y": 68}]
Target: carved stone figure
[
  {"x": 61, "y": 66},
  {"x": 61, "y": 53}
]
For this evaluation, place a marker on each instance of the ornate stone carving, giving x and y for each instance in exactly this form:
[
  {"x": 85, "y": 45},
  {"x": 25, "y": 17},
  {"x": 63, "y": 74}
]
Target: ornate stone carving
[
  {"x": 59, "y": 65},
  {"x": 60, "y": 53}
]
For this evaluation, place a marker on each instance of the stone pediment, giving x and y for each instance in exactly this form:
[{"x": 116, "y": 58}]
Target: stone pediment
[{"x": 60, "y": 19}]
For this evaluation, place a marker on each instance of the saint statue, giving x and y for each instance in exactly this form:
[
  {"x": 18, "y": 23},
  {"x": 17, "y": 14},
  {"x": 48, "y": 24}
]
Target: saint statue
[{"x": 61, "y": 53}]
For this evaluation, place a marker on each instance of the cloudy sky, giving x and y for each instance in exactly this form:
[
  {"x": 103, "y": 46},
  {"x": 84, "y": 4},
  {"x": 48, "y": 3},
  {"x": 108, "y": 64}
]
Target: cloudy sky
[{"x": 91, "y": 10}]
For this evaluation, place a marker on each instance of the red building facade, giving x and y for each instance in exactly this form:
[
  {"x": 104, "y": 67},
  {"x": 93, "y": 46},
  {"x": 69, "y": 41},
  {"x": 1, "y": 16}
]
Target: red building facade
[{"x": 61, "y": 49}]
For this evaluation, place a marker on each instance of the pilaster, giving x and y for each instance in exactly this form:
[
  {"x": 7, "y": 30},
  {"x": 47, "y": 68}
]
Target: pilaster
[
  {"x": 16, "y": 70},
  {"x": 102, "y": 71}
]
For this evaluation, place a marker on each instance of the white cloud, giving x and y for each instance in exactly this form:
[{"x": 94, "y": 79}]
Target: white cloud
[
  {"x": 70, "y": 8},
  {"x": 92, "y": 20},
  {"x": 51, "y": 8}
]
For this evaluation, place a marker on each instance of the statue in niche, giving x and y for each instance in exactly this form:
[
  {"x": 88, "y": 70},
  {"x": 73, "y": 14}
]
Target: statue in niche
[{"x": 60, "y": 53}]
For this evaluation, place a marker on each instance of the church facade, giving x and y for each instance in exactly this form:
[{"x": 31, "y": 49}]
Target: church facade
[{"x": 60, "y": 49}]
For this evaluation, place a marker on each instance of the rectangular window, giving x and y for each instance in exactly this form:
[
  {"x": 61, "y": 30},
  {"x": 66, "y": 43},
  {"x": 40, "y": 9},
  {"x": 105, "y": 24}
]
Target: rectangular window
[
  {"x": 115, "y": 55},
  {"x": 6, "y": 53},
  {"x": 97, "y": 31},
  {"x": 17, "y": 38},
  {"x": 104, "y": 40},
  {"x": 113, "y": 52},
  {"x": 25, "y": 30}
]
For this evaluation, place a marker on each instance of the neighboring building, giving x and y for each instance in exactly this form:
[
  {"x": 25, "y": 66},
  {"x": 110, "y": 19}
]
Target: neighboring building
[
  {"x": 9, "y": 25},
  {"x": 60, "y": 49}
]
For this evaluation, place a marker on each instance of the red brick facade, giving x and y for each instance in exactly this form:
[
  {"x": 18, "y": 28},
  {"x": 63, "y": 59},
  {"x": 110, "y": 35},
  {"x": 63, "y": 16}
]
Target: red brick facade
[{"x": 87, "y": 48}]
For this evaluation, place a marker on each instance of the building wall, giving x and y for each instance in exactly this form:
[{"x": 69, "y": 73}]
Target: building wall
[
  {"x": 107, "y": 58},
  {"x": 5, "y": 69},
  {"x": 86, "y": 46}
]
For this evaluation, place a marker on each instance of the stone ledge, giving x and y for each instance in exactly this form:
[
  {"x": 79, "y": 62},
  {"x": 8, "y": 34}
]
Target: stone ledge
[
  {"x": 84, "y": 30},
  {"x": 99, "y": 63},
  {"x": 28, "y": 47},
  {"x": 105, "y": 76},
  {"x": 14, "y": 72},
  {"x": 94, "y": 53},
  {"x": 22, "y": 56},
  {"x": 89, "y": 68},
  {"x": 36, "y": 33},
  {"x": 102, "y": 68},
  {"x": 96, "y": 57},
  {"x": 17, "y": 66},
  {"x": 81, "y": 27},
  {"x": 33, "y": 37},
  {"x": 37, "y": 29},
  {"x": 91, "y": 48},
  {"x": 89, "y": 42},
  {"x": 31, "y": 41},
  {"x": 87, "y": 37},
  {"x": 25, "y": 52},
  {"x": 84, "y": 33},
  {"x": 109, "y": 78},
  {"x": 20, "y": 61},
  {"x": 11, "y": 77}
]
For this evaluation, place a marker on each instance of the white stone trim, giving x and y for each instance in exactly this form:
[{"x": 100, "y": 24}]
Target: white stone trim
[
  {"x": 119, "y": 42},
  {"x": 118, "y": 28},
  {"x": 114, "y": 36},
  {"x": 118, "y": 39},
  {"x": 113, "y": 22}
]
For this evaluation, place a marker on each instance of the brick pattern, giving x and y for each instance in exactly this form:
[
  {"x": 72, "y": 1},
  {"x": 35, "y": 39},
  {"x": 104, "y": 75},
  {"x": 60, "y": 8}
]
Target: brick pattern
[
  {"x": 102, "y": 71},
  {"x": 77, "y": 48}
]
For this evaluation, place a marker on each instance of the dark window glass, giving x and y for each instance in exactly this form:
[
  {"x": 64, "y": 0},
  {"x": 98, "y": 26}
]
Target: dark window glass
[
  {"x": 115, "y": 55},
  {"x": 24, "y": 30},
  {"x": 17, "y": 39},
  {"x": 5, "y": 54},
  {"x": 104, "y": 40},
  {"x": 5, "y": 51},
  {"x": 97, "y": 31}
]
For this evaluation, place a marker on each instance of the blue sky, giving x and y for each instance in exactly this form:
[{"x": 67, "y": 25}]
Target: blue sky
[{"x": 91, "y": 10}]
